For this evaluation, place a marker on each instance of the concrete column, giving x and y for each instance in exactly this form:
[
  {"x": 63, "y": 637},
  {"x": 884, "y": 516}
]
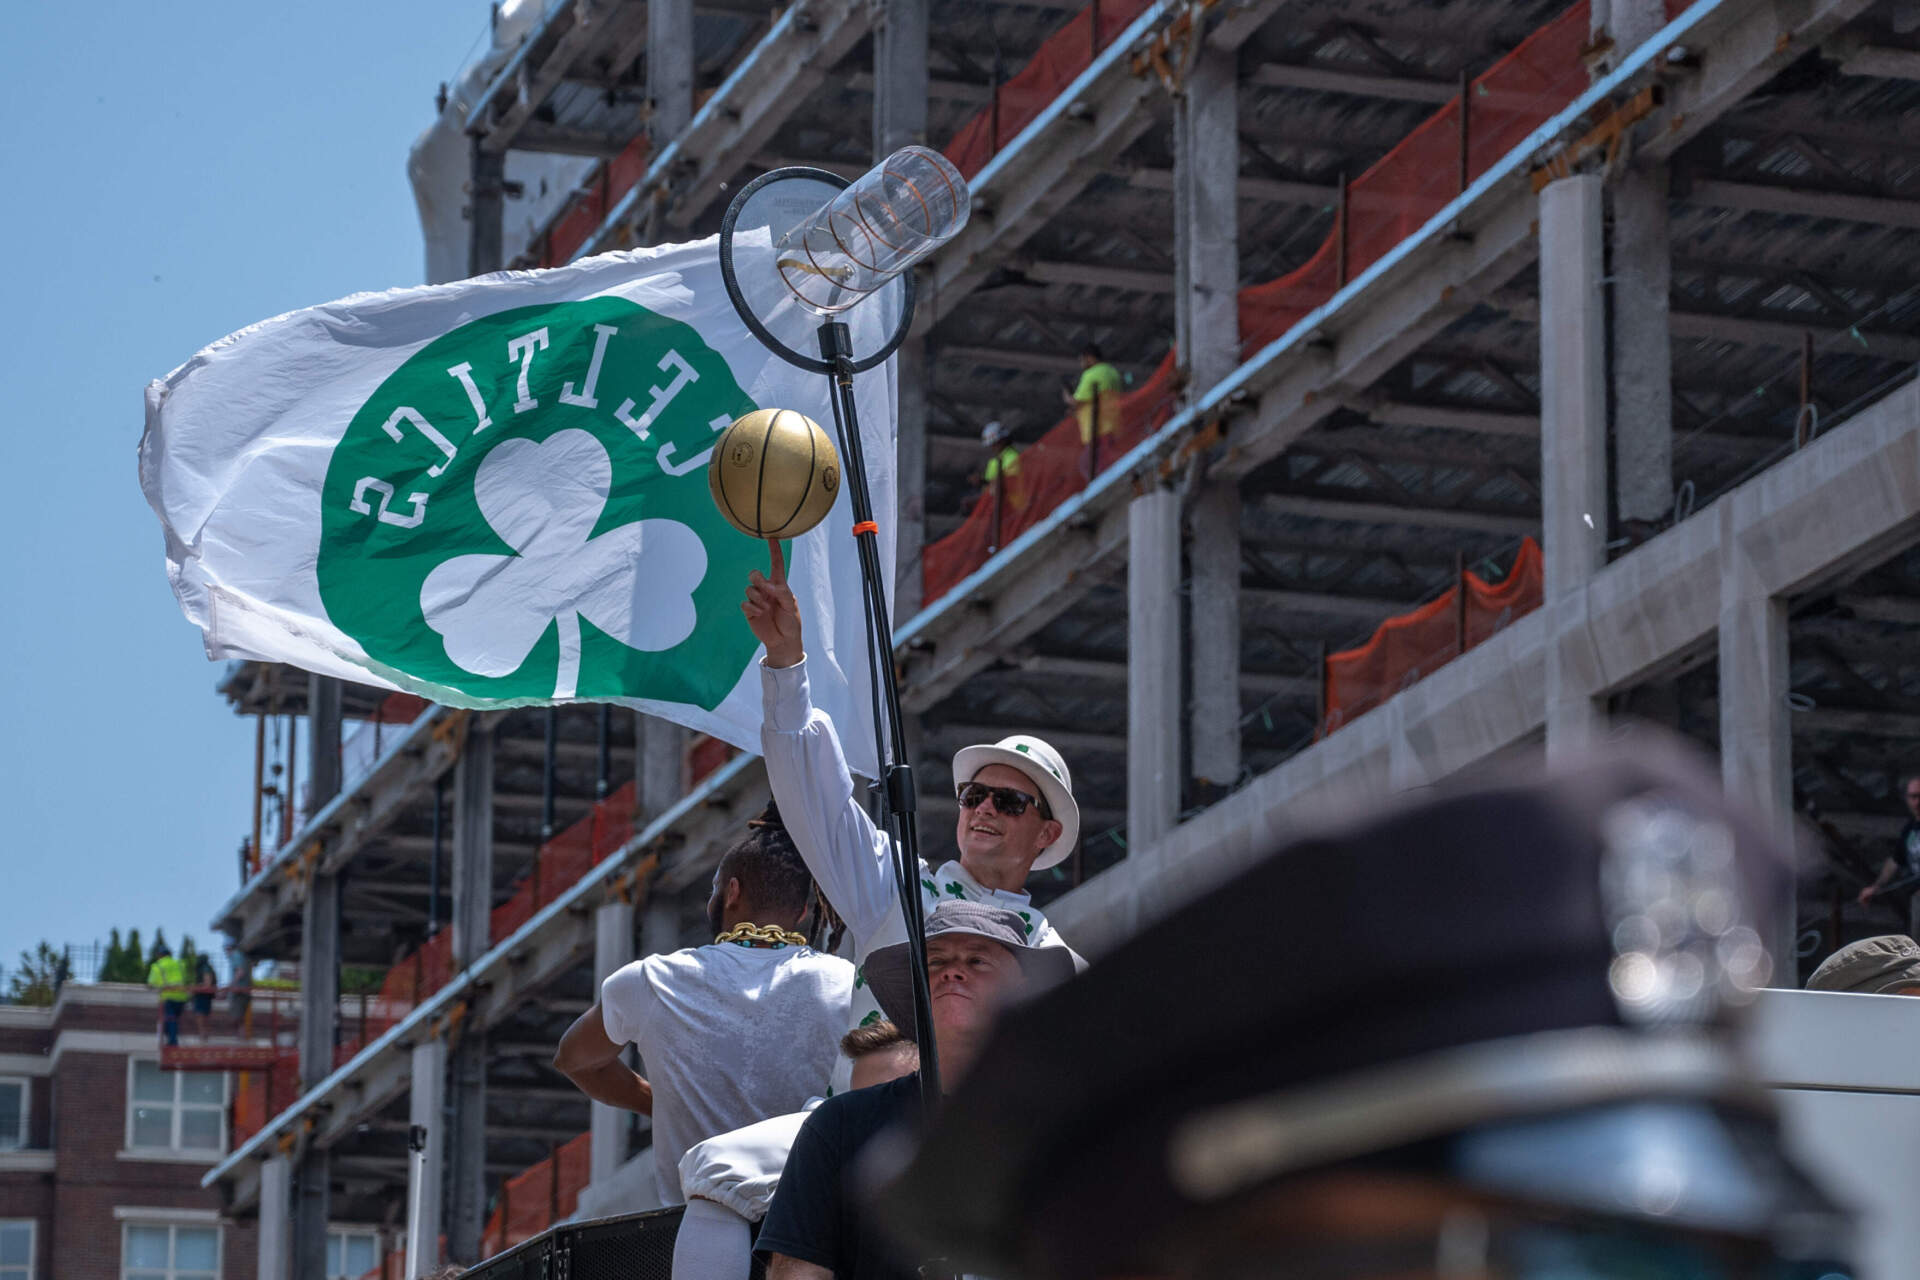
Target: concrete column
[
  {"x": 612, "y": 950},
  {"x": 899, "y": 120},
  {"x": 660, "y": 766},
  {"x": 1573, "y": 423},
  {"x": 910, "y": 476},
  {"x": 1214, "y": 635},
  {"x": 899, "y": 76},
  {"x": 466, "y": 1132},
  {"x": 1641, "y": 269},
  {"x": 486, "y": 187},
  {"x": 1756, "y": 730},
  {"x": 323, "y": 755},
  {"x": 276, "y": 1196},
  {"x": 1153, "y": 666},
  {"x": 427, "y": 1107},
  {"x": 1206, "y": 169},
  {"x": 1206, "y": 172},
  {"x": 670, "y": 64},
  {"x": 1640, "y": 266},
  {"x": 660, "y": 929},
  {"x": 1627, "y": 23}
]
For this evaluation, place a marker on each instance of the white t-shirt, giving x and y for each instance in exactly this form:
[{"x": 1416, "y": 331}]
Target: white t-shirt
[{"x": 730, "y": 1035}]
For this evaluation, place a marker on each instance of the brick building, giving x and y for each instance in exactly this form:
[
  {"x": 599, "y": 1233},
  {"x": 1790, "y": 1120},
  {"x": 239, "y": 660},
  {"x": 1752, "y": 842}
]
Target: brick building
[{"x": 101, "y": 1152}]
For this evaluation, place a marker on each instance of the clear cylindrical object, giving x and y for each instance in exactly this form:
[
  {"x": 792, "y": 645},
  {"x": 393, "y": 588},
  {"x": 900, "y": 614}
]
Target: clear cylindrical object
[{"x": 899, "y": 211}]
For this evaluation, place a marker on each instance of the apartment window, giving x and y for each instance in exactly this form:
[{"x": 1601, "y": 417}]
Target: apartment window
[
  {"x": 169, "y": 1251},
  {"x": 351, "y": 1254},
  {"x": 16, "y": 1249},
  {"x": 175, "y": 1110},
  {"x": 14, "y": 1092}
]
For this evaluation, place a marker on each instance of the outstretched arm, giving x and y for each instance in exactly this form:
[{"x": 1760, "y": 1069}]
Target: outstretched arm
[
  {"x": 807, "y": 770},
  {"x": 1888, "y": 870},
  {"x": 589, "y": 1057}
]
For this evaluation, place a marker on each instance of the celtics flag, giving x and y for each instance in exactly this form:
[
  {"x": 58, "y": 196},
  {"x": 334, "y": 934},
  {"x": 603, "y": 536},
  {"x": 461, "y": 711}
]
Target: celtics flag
[{"x": 494, "y": 493}]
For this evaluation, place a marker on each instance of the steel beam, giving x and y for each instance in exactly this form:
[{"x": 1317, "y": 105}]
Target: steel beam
[
  {"x": 1804, "y": 202},
  {"x": 1286, "y": 75}
]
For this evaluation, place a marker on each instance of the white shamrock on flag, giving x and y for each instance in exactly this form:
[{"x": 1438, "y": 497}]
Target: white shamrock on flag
[{"x": 635, "y": 582}]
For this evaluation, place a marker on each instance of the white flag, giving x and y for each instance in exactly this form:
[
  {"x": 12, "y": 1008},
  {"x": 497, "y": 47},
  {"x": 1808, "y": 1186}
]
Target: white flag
[{"x": 494, "y": 493}]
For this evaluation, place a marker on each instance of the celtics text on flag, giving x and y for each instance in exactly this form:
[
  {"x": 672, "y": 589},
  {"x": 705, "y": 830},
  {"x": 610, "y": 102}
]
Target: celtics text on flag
[{"x": 493, "y": 493}]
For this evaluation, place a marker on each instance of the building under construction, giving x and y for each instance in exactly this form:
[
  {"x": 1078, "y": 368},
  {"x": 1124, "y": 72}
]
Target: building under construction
[{"x": 1489, "y": 370}]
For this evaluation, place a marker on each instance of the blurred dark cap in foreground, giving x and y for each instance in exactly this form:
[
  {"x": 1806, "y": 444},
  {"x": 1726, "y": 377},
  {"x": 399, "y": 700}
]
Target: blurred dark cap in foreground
[{"x": 1517, "y": 989}]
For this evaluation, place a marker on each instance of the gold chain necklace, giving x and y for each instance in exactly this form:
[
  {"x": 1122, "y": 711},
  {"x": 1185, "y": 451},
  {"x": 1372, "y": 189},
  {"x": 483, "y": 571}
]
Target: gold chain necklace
[{"x": 747, "y": 933}]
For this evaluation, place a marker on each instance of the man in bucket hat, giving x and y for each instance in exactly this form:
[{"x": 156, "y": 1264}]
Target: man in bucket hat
[
  {"x": 1017, "y": 813},
  {"x": 1888, "y": 965},
  {"x": 978, "y": 963}
]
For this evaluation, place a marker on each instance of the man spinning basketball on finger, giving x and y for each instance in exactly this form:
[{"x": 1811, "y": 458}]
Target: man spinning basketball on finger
[{"x": 1017, "y": 812}]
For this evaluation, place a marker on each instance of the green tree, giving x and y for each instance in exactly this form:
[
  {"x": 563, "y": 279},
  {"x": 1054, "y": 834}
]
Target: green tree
[
  {"x": 159, "y": 941},
  {"x": 38, "y": 976},
  {"x": 136, "y": 955}
]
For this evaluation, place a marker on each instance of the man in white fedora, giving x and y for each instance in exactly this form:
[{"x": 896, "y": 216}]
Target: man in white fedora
[{"x": 1017, "y": 813}]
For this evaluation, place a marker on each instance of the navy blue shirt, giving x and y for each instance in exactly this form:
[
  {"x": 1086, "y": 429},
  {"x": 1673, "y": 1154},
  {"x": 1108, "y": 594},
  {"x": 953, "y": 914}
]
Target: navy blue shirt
[{"x": 815, "y": 1215}]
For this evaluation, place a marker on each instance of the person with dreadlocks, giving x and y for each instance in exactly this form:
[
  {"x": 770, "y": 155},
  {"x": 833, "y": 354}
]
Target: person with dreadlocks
[{"x": 743, "y": 1028}]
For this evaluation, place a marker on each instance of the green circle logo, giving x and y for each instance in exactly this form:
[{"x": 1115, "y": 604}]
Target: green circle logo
[{"x": 519, "y": 513}]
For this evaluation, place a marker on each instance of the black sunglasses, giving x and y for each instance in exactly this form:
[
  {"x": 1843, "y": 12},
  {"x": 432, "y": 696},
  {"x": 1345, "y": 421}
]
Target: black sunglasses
[{"x": 1005, "y": 799}]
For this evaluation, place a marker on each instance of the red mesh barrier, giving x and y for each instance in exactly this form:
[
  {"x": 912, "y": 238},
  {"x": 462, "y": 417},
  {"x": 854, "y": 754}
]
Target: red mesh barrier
[
  {"x": 704, "y": 755},
  {"x": 1415, "y": 644},
  {"x": 1051, "y": 470},
  {"x": 1066, "y": 53},
  {"x": 602, "y": 190},
  {"x": 539, "y": 1196},
  {"x": 1388, "y": 202},
  {"x": 613, "y": 822}
]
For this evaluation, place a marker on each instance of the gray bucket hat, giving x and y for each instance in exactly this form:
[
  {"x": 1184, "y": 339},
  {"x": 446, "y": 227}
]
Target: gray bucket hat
[
  {"x": 887, "y": 970},
  {"x": 1871, "y": 966}
]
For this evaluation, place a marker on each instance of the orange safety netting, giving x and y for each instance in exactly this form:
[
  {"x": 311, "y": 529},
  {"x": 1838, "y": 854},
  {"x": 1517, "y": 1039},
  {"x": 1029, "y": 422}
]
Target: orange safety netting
[
  {"x": 584, "y": 213},
  {"x": 539, "y": 1196},
  {"x": 1064, "y": 55},
  {"x": 561, "y": 863},
  {"x": 1050, "y": 471},
  {"x": 1384, "y": 205},
  {"x": 1415, "y": 644}
]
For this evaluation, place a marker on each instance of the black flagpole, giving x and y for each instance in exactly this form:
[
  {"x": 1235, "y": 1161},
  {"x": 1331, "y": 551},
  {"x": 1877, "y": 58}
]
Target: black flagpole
[{"x": 896, "y": 792}]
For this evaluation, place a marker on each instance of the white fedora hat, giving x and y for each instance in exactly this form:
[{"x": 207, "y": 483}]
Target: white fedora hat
[{"x": 1036, "y": 758}]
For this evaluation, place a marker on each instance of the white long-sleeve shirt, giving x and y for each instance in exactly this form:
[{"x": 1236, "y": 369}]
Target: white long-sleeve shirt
[{"x": 850, "y": 858}]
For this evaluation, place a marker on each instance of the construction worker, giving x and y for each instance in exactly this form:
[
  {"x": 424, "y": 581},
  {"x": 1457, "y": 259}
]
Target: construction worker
[
  {"x": 170, "y": 976},
  {"x": 1095, "y": 399},
  {"x": 1001, "y": 477}
]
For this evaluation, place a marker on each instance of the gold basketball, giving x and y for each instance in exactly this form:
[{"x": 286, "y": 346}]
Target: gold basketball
[{"x": 774, "y": 474}]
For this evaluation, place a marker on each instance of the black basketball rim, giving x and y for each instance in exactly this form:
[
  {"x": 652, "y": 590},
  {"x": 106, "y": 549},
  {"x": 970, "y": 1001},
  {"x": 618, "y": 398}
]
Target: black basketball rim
[{"x": 812, "y": 364}]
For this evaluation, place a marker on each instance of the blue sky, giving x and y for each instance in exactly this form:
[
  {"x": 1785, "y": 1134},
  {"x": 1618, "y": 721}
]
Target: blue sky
[{"x": 173, "y": 173}]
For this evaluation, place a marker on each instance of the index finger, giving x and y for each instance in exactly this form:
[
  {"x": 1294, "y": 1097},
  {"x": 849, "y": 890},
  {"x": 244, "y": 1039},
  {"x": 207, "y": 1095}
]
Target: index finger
[{"x": 779, "y": 574}]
